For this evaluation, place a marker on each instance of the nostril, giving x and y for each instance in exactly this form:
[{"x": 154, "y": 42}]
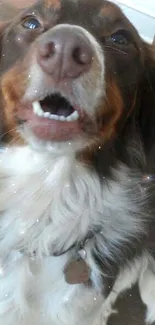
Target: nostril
[
  {"x": 47, "y": 50},
  {"x": 81, "y": 56},
  {"x": 64, "y": 54}
]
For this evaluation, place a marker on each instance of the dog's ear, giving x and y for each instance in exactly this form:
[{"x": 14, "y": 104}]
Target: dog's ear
[{"x": 146, "y": 115}]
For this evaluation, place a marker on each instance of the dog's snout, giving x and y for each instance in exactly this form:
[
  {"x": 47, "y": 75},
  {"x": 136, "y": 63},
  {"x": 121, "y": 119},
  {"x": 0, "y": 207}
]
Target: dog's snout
[{"x": 65, "y": 53}]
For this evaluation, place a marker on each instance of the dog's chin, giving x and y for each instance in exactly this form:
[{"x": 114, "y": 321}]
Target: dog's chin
[
  {"x": 56, "y": 147},
  {"x": 52, "y": 130}
]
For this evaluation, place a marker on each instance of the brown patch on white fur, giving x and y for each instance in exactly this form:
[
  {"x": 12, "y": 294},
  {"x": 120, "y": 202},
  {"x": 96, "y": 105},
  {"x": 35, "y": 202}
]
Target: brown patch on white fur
[
  {"x": 108, "y": 116},
  {"x": 111, "y": 110},
  {"x": 13, "y": 85}
]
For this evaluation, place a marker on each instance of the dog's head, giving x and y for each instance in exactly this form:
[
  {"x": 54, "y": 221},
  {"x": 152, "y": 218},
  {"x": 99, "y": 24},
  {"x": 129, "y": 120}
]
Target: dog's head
[{"x": 72, "y": 73}]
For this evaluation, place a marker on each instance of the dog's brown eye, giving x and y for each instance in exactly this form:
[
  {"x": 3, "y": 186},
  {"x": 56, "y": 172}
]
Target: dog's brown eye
[
  {"x": 31, "y": 23},
  {"x": 120, "y": 39}
]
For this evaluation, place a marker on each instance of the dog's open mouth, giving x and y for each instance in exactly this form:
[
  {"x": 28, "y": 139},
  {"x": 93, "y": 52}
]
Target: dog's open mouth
[
  {"x": 53, "y": 118},
  {"x": 57, "y": 108}
]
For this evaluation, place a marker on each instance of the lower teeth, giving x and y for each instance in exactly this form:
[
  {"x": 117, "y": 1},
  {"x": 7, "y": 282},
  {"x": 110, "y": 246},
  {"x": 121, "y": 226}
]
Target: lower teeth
[{"x": 37, "y": 110}]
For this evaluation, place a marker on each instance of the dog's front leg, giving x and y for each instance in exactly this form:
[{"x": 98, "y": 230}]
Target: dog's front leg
[
  {"x": 147, "y": 288},
  {"x": 106, "y": 309},
  {"x": 125, "y": 280}
]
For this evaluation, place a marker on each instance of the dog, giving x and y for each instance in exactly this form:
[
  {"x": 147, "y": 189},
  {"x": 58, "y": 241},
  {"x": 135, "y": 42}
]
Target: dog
[{"x": 76, "y": 164}]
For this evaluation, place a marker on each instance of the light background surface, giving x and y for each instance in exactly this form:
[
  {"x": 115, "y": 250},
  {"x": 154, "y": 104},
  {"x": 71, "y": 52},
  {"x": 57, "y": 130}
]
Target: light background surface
[{"x": 142, "y": 15}]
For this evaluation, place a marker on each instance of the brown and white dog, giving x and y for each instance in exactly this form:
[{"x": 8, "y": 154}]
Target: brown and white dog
[{"x": 76, "y": 202}]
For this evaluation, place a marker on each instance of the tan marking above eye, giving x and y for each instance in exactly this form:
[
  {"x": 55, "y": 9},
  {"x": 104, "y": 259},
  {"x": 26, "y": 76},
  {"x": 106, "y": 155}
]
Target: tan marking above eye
[
  {"x": 55, "y": 4},
  {"x": 110, "y": 10}
]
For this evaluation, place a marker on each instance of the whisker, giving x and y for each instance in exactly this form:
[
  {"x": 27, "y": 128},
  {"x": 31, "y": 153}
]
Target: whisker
[
  {"x": 14, "y": 140},
  {"x": 109, "y": 48},
  {"x": 5, "y": 133}
]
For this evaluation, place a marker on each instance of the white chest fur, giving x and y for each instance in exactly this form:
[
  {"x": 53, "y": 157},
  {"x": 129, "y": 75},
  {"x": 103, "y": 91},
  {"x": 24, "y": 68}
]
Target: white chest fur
[{"x": 46, "y": 204}]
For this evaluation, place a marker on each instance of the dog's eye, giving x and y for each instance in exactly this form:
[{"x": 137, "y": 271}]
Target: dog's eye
[
  {"x": 120, "y": 38},
  {"x": 31, "y": 23}
]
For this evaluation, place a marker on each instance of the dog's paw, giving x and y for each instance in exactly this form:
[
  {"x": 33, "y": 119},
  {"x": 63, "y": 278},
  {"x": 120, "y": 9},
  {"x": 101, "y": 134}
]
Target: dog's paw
[
  {"x": 104, "y": 315},
  {"x": 150, "y": 315}
]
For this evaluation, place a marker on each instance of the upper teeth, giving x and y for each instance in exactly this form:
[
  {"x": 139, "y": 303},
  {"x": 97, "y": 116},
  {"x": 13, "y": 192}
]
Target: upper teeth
[{"x": 38, "y": 111}]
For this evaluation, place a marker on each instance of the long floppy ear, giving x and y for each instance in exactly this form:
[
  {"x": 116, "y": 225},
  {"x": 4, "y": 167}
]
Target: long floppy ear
[{"x": 146, "y": 116}]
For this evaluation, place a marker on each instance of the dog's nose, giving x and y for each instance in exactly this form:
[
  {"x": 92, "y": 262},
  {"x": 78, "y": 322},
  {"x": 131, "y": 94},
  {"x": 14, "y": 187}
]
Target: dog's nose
[{"x": 65, "y": 53}]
